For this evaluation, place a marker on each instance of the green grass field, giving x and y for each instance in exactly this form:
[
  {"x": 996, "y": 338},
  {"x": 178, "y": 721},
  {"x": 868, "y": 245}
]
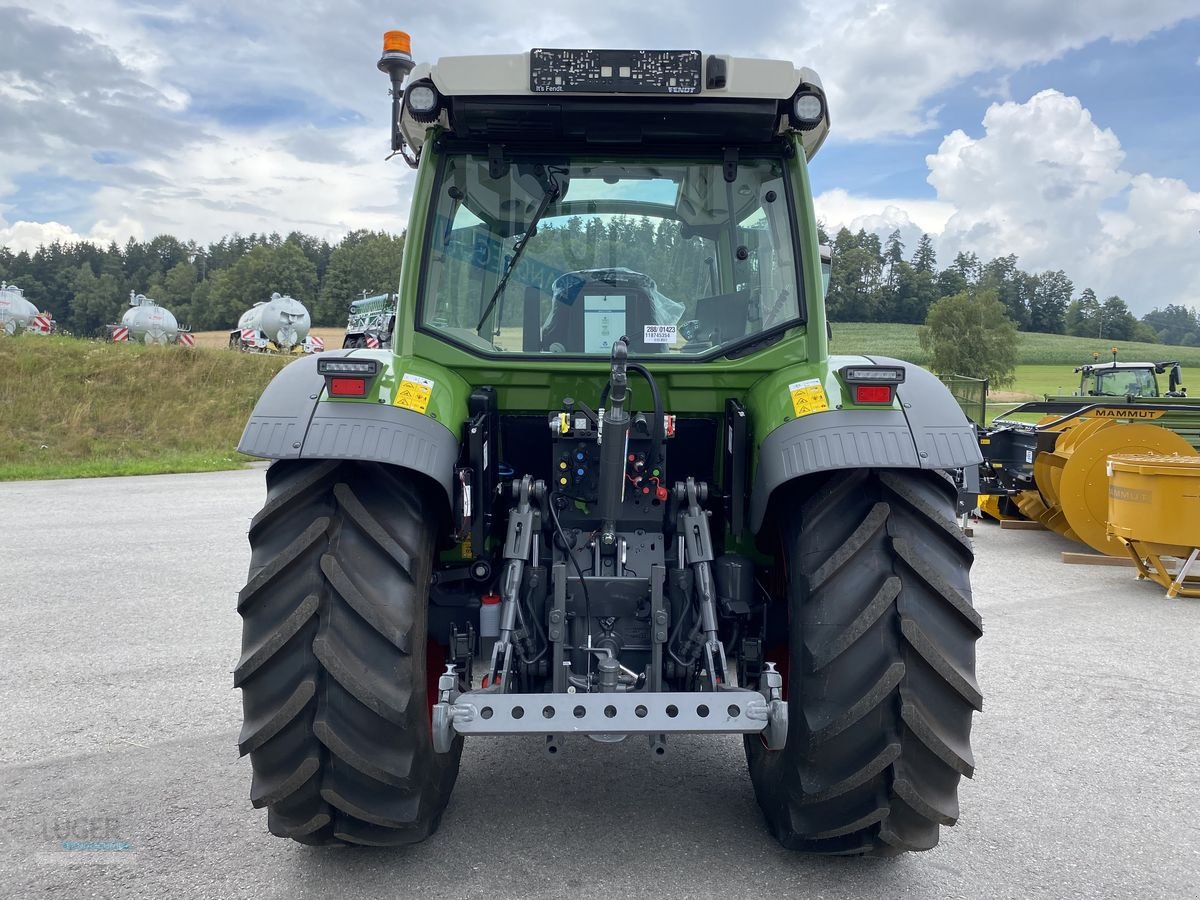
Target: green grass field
[
  {"x": 1045, "y": 362},
  {"x": 1035, "y": 349},
  {"x": 72, "y": 408}
]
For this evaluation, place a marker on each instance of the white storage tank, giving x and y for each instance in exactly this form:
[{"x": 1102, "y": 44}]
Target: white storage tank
[
  {"x": 281, "y": 323},
  {"x": 146, "y": 323},
  {"x": 16, "y": 313}
]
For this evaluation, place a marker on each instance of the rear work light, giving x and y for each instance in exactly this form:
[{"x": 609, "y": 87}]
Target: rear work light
[
  {"x": 872, "y": 384},
  {"x": 872, "y": 374},
  {"x": 363, "y": 368}
]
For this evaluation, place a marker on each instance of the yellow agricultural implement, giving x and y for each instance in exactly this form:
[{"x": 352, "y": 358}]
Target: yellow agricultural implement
[
  {"x": 1154, "y": 512},
  {"x": 1055, "y": 470}
]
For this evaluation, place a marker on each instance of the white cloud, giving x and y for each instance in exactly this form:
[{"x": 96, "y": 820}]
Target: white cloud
[
  {"x": 28, "y": 236},
  {"x": 912, "y": 218},
  {"x": 882, "y": 62},
  {"x": 1046, "y": 183},
  {"x": 837, "y": 208},
  {"x": 251, "y": 182}
]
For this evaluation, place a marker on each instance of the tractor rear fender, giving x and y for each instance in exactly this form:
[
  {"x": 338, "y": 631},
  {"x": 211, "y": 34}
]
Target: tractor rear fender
[
  {"x": 290, "y": 421},
  {"x": 930, "y": 431}
]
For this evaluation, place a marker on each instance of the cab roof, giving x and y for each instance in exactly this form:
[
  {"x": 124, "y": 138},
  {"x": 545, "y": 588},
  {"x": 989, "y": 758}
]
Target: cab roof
[{"x": 495, "y": 94}]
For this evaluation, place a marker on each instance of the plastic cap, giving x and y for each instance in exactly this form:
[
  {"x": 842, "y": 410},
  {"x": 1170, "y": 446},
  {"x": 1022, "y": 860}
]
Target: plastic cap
[
  {"x": 397, "y": 42},
  {"x": 490, "y": 599}
]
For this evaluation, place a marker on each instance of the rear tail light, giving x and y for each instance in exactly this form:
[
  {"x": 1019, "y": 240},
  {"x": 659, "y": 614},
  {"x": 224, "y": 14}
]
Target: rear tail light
[
  {"x": 873, "y": 384},
  {"x": 347, "y": 376},
  {"x": 347, "y": 387},
  {"x": 872, "y": 393}
]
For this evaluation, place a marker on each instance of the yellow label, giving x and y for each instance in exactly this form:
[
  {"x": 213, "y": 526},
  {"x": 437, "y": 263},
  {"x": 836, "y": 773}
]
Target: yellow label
[
  {"x": 808, "y": 397},
  {"x": 1125, "y": 412},
  {"x": 413, "y": 393}
]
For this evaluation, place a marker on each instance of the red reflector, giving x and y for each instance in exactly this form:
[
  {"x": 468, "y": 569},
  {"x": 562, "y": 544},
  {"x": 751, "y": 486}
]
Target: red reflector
[
  {"x": 872, "y": 393},
  {"x": 347, "y": 387}
]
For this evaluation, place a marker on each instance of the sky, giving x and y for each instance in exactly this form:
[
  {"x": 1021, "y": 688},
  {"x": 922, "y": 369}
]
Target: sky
[{"x": 1065, "y": 133}]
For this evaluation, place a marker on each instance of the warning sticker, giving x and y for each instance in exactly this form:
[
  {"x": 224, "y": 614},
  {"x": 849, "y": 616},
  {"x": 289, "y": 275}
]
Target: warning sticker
[
  {"x": 658, "y": 334},
  {"x": 413, "y": 393},
  {"x": 808, "y": 397}
]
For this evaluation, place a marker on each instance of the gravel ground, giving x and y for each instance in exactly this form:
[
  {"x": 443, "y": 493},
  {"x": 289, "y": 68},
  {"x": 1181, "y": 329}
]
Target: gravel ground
[{"x": 119, "y": 724}]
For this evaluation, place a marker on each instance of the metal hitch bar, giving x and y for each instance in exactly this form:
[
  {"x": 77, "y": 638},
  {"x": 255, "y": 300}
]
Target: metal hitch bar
[{"x": 727, "y": 711}]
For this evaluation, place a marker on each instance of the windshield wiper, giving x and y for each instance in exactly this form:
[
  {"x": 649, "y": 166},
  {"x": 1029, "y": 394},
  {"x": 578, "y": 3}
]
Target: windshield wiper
[{"x": 552, "y": 191}]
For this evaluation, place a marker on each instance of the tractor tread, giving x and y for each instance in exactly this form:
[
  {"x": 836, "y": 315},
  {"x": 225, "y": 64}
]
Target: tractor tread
[
  {"x": 333, "y": 671},
  {"x": 883, "y": 599},
  {"x": 266, "y": 792},
  {"x": 354, "y": 508},
  {"x": 299, "y": 484},
  {"x": 903, "y": 489},
  {"x": 281, "y": 563},
  {"x": 867, "y": 702},
  {"x": 253, "y": 658},
  {"x": 257, "y": 731},
  {"x": 959, "y": 758},
  {"x": 962, "y": 682},
  {"x": 922, "y": 566},
  {"x": 816, "y": 790},
  {"x": 881, "y": 666},
  {"x": 874, "y": 521},
  {"x": 353, "y": 597}
]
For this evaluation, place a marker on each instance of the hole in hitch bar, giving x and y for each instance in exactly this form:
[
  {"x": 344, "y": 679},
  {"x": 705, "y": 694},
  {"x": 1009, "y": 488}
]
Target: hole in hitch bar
[
  {"x": 610, "y": 712},
  {"x": 548, "y": 712},
  {"x": 660, "y": 750},
  {"x": 580, "y": 712},
  {"x": 485, "y": 713},
  {"x": 518, "y": 712},
  {"x": 734, "y": 711},
  {"x": 672, "y": 711},
  {"x": 702, "y": 711},
  {"x": 641, "y": 712}
]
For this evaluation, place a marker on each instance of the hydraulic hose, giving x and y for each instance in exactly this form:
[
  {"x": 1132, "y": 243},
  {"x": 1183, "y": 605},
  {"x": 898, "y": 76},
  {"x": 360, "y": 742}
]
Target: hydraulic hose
[{"x": 614, "y": 440}]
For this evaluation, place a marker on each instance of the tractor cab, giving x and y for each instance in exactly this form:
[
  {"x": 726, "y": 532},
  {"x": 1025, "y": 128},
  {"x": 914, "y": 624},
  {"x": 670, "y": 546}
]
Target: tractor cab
[
  {"x": 1128, "y": 379},
  {"x": 578, "y": 196}
]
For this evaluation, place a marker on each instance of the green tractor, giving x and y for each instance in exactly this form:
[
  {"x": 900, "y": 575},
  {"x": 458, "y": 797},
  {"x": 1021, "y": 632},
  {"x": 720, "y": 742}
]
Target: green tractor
[
  {"x": 1129, "y": 380},
  {"x": 608, "y": 483}
]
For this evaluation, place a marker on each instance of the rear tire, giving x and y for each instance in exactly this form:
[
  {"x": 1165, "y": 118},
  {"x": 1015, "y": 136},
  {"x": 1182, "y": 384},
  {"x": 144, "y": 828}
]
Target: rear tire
[
  {"x": 880, "y": 667},
  {"x": 336, "y": 686}
]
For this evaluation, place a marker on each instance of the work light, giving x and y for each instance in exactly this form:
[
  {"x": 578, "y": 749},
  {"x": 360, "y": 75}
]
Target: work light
[
  {"x": 423, "y": 101},
  {"x": 808, "y": 108}
]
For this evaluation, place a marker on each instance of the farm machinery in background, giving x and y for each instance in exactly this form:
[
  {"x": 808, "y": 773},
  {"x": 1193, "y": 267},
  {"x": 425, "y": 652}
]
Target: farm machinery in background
[
  {"x": 279, "y": 325},
  {"x": 1131, "y": 380},
  {"x": 371, "y": 322},
  {"x": 145, "y": 322},
  {"x": 18, "y": 315},
  {"x": 1048, "y": 460}
]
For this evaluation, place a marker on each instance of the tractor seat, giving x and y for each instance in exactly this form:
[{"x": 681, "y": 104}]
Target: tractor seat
[{"x": 592, "y": 308}]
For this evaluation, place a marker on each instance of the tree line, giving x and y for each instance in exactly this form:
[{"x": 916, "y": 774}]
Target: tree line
[
  {"x": 872, "y": 281},
  {"x": 207, "y": 287}
]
